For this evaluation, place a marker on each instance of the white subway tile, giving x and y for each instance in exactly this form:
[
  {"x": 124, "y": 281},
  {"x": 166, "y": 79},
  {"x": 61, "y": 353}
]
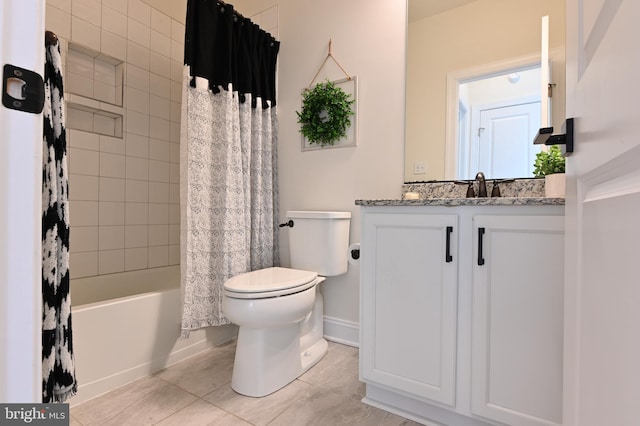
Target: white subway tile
[
  {"x": 58, "y": 21},
  {"x": 119, "y": 5},
  {"x": 79, "y": 120},
  {"x": 174, "y": 153},
  {"x": 84, "y": 140},
  {"x": 79, "y": 84},
  {"x": 160, "y": 43},
  {"x": 83, "y": 264},
  {"x": 114, "y": 21},
  {"x": 83, "y": 238},
  {"x": 269, "y": 18},
  {"x": 158, "y": 256},
  {"x": 174, "y": 173},
  {"x": 137, "y": 213},
  {"x": 111, "y": 189},
  {"x": 174, "y": 132},
  {"x": 159, "y": 150},
  {"x": 137, "y": 55},
  {"x": 160, "y": 22},
  {"x": 176, "y": 91},
  {"x": 177, "y": 51},
  {"x": 89, "y": 10},
  {"x": 136, "y": 191},
  {"x": 140, "y": 11},
  {"x": 112, "y": 145},
  {"x": 174, "y": 234},
  {"x": 64, "y": 5},
  {"x": 85, "y": 213},
  {"x": 174, "y": 193},
  {"x": 139, "y": 33},
  {"x": 160, "y": 86},
  {"x": 137, "y": 77},
  {"x": 83, "y": 187},
  {"x": 177, "y": 30},
  {"x": 174, "y": 214},
  {"x": 104, "y": 92},
  {"x": 176, "y": 112},
  {"x": 158, "y": 214},
  {"x": 104, "y": 124},
  {"x": 135, "y": 236},
  {"x": 158, "y": 171},
  {"x": 80, "y": 63},
  {"x": 137, "y": 123},
  {"x": 112, "y": 165},
  {"x": 111, "y": 213},
  {"x": 110, "y": 261},
  {"x": 114, "y": 45},
  {"x": 111, "y": 237},
  {"x": 159, "y": 193},
  {"x": 174, "y": 254},
  {"x": 159, "y": 64},
  {"x": 137, "y": 168},
  {"x": 137, "y": 100},
  {"x": 137, "y": 146},
  {"x": 160, "y": 107},
  {"x": 159, "y": 128},
  {"x": 135, "y": 258},
  {"x": 158, "y": 235},
  {"x": 85, "y": 33},
  {"x": 104, "y": 72},
  {"x": 84, "y": 162},
  {"x": 177, "y": 68}
]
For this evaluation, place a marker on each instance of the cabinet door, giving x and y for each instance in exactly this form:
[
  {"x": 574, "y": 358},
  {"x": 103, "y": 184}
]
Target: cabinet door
[
  {"x": 517, "y": 315},
  {"x": 408, "y": 295}
]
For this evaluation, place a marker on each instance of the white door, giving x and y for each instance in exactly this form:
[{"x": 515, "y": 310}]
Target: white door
[
  {"x": 22, "y": 45},
  {"x": 602, "y": 304},
  {"x": 504, "y": 136}
]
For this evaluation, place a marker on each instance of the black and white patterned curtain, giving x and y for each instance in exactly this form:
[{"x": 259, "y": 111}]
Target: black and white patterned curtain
[
  {"x": 228, "y": 157},
  {"x": 58, "y": 369}
]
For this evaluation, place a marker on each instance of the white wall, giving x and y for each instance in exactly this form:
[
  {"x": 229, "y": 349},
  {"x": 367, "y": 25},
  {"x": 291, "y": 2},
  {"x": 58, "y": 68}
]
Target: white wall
[{"x": 369, "y": 41}]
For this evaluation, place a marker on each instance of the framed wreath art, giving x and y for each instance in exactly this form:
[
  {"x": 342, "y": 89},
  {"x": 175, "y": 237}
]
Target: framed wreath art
[{"x": 327, "y": 117}]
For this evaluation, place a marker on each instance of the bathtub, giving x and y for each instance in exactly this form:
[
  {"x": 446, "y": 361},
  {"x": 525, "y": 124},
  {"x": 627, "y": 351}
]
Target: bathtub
[{"x": 127, "y": 326}]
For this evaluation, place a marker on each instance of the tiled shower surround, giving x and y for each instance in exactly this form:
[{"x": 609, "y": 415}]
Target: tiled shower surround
[{"x": 123, "y": 72}]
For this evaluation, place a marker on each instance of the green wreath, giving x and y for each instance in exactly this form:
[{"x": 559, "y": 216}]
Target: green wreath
[{"x": 325, "y": 115}]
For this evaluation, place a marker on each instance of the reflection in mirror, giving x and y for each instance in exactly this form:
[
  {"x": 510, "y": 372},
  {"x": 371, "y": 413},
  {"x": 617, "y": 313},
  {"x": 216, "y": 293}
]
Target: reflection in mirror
[{"x": 461, "y": 41}]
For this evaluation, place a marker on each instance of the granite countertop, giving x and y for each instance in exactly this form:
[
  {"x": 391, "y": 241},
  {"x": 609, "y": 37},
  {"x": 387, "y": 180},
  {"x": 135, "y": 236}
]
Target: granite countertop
[{"x": 452, "y": 202}]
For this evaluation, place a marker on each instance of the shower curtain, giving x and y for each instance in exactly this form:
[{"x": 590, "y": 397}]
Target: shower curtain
[
  {"x": 228, "y": 157},
  {"x": 58, "y": 370}
]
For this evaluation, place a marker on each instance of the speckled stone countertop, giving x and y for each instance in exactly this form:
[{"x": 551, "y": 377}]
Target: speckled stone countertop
[
  {"x": 515, "y": 192},
  {"x": 452, "y": 202}
]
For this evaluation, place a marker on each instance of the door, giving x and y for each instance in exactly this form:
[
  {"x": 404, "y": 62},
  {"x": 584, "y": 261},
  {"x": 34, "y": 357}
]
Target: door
[
  {"x": 517, "y": 321},
  {"x": 504, "y": 135},
  {"x": 602, "y": 303},
  {"x": 409, "y": 283},
  {"x": 22, "y": 45}
]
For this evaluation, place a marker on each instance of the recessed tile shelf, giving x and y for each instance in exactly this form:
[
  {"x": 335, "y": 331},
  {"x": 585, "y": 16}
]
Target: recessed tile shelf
[{"x": 94, "y": 87}]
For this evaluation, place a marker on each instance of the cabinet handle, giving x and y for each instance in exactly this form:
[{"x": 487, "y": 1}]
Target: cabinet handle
[
  {"x": 480, "y": 257},
  {"x": 448, "y": 257}
]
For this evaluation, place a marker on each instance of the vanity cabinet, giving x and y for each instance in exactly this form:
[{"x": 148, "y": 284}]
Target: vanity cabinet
[
  {"x": 409, "y": 303},
  {"x": 461, "y": 313}
]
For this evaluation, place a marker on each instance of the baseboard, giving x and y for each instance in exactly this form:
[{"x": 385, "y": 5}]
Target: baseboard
[{"x": 342, "y": 331}]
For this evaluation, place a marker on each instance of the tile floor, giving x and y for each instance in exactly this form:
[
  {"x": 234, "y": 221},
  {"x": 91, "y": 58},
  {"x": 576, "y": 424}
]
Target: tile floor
[{"x": 197, "y": 392}]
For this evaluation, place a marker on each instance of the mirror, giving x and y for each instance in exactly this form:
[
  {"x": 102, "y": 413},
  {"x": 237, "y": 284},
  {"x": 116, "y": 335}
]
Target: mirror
[{"x": 451, "y": 42}]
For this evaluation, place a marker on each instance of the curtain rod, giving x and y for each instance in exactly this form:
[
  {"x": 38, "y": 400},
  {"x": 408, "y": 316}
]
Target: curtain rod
[{"x": 235, "y": 12}]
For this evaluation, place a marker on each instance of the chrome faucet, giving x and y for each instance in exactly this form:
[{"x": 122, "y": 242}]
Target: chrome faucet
[{"x": 482, "y": 185}]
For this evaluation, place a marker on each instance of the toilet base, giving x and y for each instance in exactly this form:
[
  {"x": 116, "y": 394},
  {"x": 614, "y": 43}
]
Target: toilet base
[{"x": 267, "y": 359}]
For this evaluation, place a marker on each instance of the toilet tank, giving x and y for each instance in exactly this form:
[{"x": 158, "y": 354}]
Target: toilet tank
[{"x": 319, "y": 241}]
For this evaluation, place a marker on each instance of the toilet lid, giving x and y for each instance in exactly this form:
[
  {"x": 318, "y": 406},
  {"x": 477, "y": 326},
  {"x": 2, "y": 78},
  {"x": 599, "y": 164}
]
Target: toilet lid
[{"x": 269, "y": 282}]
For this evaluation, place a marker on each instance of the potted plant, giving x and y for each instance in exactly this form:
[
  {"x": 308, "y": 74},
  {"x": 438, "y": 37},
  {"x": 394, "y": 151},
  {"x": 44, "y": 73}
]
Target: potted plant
[{"x": 551, "y": 165}]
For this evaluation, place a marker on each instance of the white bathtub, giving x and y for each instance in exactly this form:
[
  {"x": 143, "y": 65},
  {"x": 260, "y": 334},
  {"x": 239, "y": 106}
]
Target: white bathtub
[{"x": 127, "y": 326}]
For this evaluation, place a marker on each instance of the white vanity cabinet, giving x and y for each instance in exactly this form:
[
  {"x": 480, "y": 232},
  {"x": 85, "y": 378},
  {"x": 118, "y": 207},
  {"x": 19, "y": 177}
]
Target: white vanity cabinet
[
  {"x": 461, "y": 313},
  {"x": 409, "y": 303}
]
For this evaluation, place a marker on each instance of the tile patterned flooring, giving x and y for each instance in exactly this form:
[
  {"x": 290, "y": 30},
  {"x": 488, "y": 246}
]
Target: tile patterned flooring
[{"x": 197, "y": 392}]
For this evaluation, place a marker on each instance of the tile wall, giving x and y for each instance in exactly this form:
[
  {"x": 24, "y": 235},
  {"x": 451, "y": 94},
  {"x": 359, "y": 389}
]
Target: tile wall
[{"x": 123, "y": 186}]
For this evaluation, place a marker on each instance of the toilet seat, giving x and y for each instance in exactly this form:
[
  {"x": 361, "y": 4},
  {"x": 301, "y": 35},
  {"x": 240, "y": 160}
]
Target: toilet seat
[{"x": 269, "y": 282}]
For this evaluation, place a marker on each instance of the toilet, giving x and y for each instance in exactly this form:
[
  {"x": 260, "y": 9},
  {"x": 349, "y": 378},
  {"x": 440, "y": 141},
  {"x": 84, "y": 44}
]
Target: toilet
[{"x": 279, "y": 311}]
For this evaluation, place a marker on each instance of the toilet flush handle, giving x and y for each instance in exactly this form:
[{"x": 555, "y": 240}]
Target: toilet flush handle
[{"x": 289, "y": 224}]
